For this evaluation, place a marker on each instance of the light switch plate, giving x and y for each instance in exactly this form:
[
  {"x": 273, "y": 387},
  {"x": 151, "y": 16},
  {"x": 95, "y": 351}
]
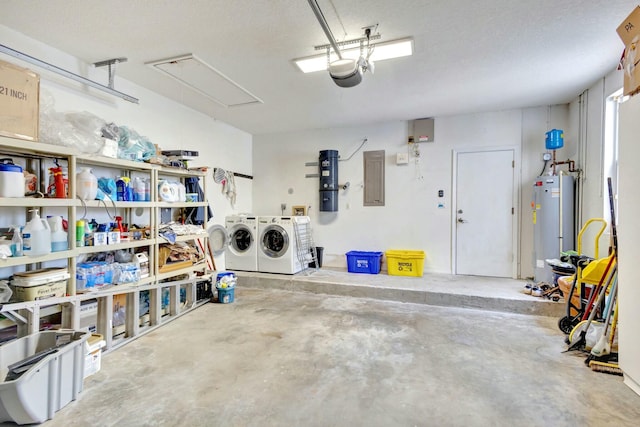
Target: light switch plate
[{"x": 402, "y": 158}]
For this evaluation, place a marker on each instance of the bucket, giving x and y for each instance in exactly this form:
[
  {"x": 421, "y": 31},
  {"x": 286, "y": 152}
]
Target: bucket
[
  {"x": 226, "y": 286},
  {"x": 225, "y": 296}
]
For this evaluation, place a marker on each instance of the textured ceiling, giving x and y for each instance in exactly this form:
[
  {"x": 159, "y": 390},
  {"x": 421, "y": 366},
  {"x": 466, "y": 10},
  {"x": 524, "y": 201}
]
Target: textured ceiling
[{"x": 469, "y": 56}]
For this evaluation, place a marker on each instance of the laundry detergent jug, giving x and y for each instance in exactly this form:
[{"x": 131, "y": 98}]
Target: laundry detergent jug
[
  {"x": 58, "y": 235},
  {"x": 36, "y": 236},
  {"x": 168, "y": 191},
  {"x": 86, "y": 185}
]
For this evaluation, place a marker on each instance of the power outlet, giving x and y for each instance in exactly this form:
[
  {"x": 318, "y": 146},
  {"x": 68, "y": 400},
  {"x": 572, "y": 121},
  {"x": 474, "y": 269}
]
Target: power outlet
[{"x": 283, "y": 206}]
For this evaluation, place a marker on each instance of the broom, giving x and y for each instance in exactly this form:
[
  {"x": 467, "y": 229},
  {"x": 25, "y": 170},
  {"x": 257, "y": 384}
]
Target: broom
[
  {"x": 581, "y": 341},
  {"x": 608, "y": 363},
  {"x": 602, "y": 347}
]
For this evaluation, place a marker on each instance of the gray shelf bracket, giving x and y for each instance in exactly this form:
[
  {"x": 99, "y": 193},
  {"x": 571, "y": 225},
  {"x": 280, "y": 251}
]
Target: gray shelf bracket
[{"x": 111, "y": 63}]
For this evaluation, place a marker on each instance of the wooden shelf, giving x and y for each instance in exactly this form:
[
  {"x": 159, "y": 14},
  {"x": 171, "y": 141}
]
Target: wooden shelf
[
  {"x": 116, "y": 246},
  {"x": 26, "y": 260},
  {"x": 36, "y": 202},
  {"x": 110, "y": 162},
  {"x": 27, "y": 314},
  {"x": 182, "y": 204},
  {"x": 29, "y": 147},
  {"x": 163, "y": 170},
  {"x": 186, "y": 270},
  {"x": 189, "y": 237},
  {"x": 119, "y": 205}
]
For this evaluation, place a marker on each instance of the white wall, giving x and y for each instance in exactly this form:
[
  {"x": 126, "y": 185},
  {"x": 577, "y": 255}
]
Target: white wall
[
  {"x": 587, "y": 119},
  {"x": 164, "y": 122},
  {"x": 410, "y": 218},
  {"x": 629, "y": 235}
]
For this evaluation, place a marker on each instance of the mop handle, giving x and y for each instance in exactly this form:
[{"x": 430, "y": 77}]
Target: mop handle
[{"x": 614, "y": 322}]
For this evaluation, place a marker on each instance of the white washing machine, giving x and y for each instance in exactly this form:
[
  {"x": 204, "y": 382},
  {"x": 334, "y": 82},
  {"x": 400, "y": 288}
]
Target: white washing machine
[
  {"x": 242, "y": 251},
  {"x": 277, "y": 249}
]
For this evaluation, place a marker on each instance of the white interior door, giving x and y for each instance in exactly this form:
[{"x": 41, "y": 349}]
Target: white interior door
[{"x": 485, "y": 212}]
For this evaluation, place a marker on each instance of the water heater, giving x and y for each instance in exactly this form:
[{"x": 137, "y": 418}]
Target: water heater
[
  {"x": 328, "y": 164},
  {"x": 553, "y": 225}
]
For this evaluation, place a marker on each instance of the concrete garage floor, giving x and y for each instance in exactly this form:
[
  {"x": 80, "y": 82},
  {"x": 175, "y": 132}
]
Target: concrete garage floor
[{"x": 282, "y": 358}]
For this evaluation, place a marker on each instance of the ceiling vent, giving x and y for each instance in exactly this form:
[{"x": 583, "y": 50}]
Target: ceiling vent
[{"x": 206, "y": 80}]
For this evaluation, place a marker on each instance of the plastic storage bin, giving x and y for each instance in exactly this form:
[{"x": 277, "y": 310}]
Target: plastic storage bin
[
  {"x": 405, "y": 263},
  {"x": 50, "y": 383},
  {"x": 40, "y": 284},
  {"x": 11, "y": 179},
  {"x": 226, "y": 285},
  {"x": 364, "y": 262}
]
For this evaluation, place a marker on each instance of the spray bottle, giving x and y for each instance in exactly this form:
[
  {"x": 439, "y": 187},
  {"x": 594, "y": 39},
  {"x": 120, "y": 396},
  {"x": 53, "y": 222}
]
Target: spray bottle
[
  {"x": 16, "y": 242},
  {"x": 59, "y": 187},
  {"x": 58, "y": 235}
]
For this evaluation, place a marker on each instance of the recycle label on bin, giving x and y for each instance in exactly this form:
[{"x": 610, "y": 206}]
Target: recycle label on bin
[
  {"x": 405, "y": 266},
  {"x": 362, "y": 263}
]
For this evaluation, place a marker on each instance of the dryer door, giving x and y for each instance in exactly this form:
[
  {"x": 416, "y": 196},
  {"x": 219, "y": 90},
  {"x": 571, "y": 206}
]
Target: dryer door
[
  {"x": 274, "y": 241},
  {"x": 241, "y": 239},
  {"x": 218, "y": 239}
]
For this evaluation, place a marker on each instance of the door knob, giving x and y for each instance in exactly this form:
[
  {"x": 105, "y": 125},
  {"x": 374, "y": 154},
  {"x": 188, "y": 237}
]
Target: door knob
[{"x": 460, "y": 220}]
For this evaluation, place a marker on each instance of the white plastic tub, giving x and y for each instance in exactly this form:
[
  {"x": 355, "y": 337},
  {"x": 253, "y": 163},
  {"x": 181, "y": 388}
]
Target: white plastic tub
[
  {"x": 49, "y": 384},
  {"x": 40, "y": 284},
  {"x": 11, "y": 179}
]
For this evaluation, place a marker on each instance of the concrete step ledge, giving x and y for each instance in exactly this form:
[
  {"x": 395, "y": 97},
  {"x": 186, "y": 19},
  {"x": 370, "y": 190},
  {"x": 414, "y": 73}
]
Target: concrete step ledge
[{"x": 519, "y": 303}]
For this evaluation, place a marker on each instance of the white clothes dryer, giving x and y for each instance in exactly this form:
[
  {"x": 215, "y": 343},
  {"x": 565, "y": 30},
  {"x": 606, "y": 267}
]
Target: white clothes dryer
[
  {"x": 277, "y": 248},
  {"x": 242, "y": 251}
]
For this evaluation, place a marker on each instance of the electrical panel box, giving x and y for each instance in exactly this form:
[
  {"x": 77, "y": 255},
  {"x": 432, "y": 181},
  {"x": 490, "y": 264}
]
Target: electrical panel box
[{"x": 423, "y": 130}]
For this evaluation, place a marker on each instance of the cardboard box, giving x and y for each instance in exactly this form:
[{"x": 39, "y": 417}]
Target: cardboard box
[
  {"x": 629, "y": 33},
  {"x": 629, "y": 29},
  {"x": 93, "y": 354},
  {"x": 19, "y": 102}
]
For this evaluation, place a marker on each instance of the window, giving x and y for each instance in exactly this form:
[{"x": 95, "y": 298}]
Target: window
[{"x": 610, "y": 150}]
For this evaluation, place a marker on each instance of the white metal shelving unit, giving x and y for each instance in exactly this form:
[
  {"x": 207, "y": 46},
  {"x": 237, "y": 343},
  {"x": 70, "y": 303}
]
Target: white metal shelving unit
[{"x": 27, "y": 315}]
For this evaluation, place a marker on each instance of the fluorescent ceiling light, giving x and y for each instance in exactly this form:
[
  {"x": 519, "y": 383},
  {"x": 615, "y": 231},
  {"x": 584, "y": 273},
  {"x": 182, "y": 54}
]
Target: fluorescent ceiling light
[
  {"x": 381, "y": 51},
  {"x": 206, "y": 80}
]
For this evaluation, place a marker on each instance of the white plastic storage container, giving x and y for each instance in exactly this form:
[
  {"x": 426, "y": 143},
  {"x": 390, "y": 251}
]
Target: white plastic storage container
[
  {"x": 11, "y": 179},
  {"x": 40, "y": 284},
  {"x": 86, "y": 184},
  {"x": 36, "y": 236},
  {"x": 49, "y": 383}
]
